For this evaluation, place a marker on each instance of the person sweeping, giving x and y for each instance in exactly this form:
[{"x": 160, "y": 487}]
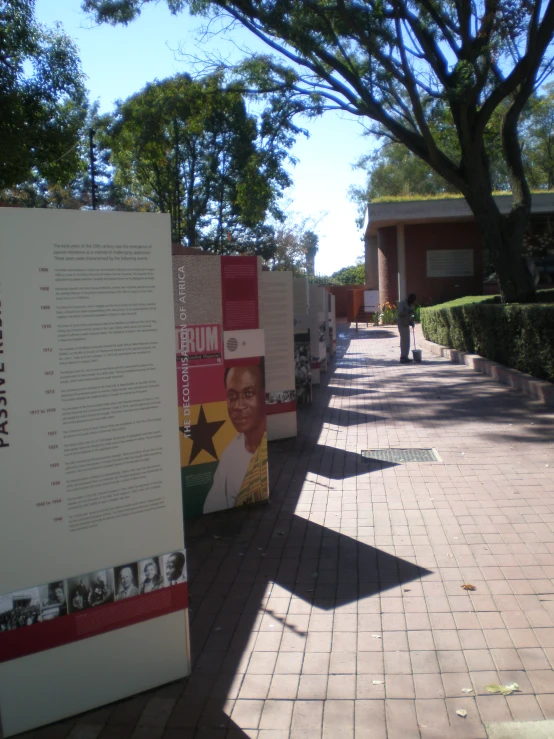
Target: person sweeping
[{"x": 405, "y": 321}]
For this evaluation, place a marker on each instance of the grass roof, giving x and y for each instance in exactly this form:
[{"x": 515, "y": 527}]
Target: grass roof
[{"x": 444, "y": 196}]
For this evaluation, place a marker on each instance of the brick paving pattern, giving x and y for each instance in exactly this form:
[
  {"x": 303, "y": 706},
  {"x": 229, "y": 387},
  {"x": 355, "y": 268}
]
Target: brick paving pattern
[{"x": 337, "y": 610}]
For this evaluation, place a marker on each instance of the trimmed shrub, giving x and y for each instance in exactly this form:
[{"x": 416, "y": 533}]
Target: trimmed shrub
[{"x": 517, "y": 336}]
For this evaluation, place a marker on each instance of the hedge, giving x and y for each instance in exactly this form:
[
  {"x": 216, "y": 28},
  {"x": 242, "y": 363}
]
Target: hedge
[{"x": 520, "y": 336}]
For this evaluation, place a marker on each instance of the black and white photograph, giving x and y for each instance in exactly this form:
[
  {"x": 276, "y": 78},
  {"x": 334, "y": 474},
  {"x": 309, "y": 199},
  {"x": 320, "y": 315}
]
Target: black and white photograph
[
  {"x": 126, "y": 581},
  {"x": 25, "y": 609},
  {"x": 20, "y": 609},
  {"x": 6, "y": 607},
  {"x": 280, "y": 396},
  {"x": 150, "y": 575},
  {"x": 54, "y": 602},
  {"x": 78, "y": 589},
  {"x": 302, "y": 369},
  {"x": 174, "y": 568},
  {"x": 322, "y": 333},
  {"x": 101, "y": 588}
]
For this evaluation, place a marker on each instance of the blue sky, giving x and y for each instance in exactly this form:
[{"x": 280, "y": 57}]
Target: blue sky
[{"x": 120, "y": 61}]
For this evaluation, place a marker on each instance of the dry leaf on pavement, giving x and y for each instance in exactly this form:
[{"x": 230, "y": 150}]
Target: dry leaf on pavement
[{"x": 503, "y": 689}]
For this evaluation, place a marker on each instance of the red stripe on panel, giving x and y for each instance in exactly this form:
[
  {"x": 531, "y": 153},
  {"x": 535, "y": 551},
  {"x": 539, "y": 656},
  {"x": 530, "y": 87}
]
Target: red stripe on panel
[
  {"x": 275, "y": 408},
  {"x": 92, "y": 622}
]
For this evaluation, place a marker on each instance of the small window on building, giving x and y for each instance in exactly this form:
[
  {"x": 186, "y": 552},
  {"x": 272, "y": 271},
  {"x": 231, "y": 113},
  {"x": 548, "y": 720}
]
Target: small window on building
[{"x": 450, "y": 263}]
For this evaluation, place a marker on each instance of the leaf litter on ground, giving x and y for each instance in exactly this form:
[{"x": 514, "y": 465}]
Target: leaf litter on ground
[{"x": 503, "y": 689}]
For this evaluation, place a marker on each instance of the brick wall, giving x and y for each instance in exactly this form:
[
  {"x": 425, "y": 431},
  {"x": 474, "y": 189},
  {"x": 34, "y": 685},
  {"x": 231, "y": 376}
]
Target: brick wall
[
  {"x": 355, "y": 303},
  {"x": 418, "y": 239},
  {"x": 343, "y": 300}
]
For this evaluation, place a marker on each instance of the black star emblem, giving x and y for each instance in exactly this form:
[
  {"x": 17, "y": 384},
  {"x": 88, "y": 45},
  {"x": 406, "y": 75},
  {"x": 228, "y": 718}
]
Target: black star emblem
[{"x": 202, "y": 434}]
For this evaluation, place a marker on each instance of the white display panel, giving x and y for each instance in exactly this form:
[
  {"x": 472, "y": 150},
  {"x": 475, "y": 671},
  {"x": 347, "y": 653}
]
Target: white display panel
[
  {"x": 450, "y": 263},
  {"x": 301, "y": 295},
  {"x": 75, "y": 678},
  {"x": 333, "y": 322},
  {"x": 323, "y": 322},
  {"x": 89, "y": 455},
  {"x": 277, "y": 319},
  {"x": 315, "y": 345},
  {"x": 371, "y": 301}
]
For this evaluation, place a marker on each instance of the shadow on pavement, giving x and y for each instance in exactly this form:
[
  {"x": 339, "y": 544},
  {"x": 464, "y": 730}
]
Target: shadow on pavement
[
  {"x": 256, "y": 574},
  {"x": 248, "y": 568},
  {"x": 373, "y": 333}
]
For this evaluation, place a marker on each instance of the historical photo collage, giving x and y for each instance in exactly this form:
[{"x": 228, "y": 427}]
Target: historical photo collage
[{"x": 46, "y": 602}]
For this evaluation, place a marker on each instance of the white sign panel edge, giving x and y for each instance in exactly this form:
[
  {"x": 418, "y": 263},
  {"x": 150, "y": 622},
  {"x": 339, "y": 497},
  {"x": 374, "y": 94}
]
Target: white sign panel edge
[{"x": 116, "y": 654}]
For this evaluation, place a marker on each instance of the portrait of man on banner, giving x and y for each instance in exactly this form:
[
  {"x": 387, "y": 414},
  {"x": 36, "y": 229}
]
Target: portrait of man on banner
[{"x": 241, "y": 474}]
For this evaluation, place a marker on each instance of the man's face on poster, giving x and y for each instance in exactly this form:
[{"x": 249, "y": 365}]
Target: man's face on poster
[
  {"x": 172, "y": 569},
  {"x": 245, "y": 398},
  {"x": 126, "y": 578}
]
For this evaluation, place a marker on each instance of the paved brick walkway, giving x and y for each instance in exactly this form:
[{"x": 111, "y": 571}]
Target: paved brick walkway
[{"x": 337, "y": 611}]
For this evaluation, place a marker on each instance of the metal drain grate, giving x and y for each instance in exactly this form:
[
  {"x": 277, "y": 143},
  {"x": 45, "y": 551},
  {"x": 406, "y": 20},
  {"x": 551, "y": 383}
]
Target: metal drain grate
[{"x": 399, "y": 456}]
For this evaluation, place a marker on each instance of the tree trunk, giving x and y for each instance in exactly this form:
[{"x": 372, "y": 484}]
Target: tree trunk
[{"x": 503, "y": 236}]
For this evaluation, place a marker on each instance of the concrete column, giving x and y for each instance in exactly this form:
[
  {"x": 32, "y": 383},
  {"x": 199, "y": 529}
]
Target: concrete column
[
  {"x": 388, "y": 264},
  {"x": 401, "y": 253},
  {"x": 371, "y": 263}
]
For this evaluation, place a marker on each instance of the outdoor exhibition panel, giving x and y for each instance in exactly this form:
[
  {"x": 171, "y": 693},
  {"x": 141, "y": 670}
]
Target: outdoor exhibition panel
[
  {"x": 302, "y": 348},
  {"x": 371, "y": 301},
  {"x": 301, "y": 295},
  {"x": 93, "y": 606},
  {"x": 328, "y": 325},
  {"x": 323, "y": 319},
  {"x": 221, "y": 382},
  {"x": 277, "y": 320},
  {"x": 333, "y": 322},
  {"x": 318, "y": 325},
  {"x": 316, "y": 347}
]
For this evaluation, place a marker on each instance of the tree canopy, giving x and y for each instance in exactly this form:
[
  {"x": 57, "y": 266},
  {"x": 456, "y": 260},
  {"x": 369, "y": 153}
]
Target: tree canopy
[
  {"x": 42, "y": 98},
  {"x": 191, "y": 149},
  {"x": 401, "y": 65},
  {"x": 393, "y": 170},
  {"x": 353, "y": 275},
  {"x": 295, "y": 246}
]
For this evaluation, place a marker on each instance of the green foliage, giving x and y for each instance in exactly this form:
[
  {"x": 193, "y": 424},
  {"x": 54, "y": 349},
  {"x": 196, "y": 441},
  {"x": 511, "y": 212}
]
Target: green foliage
[
  {"x": 310, "y": 242},
  {"x": 190, "y": 148},
  {"x": 539, "y": 140},
  {"x": 448, "y": 80},
  {"x": 517, "y": 336},
  {"x": 295, "y": 246},
  {"x": 545, "y": 296},
  {"x": 42, "y": 192},
  {"x": 467, "y": 300},
  {"x": 393, "y": 171},
  {"x": 323, "y": 280},
  {"x": 385, "y": 314},
  {"x": 354, "y": 275},
  {"x": 42, "y": 98}
]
